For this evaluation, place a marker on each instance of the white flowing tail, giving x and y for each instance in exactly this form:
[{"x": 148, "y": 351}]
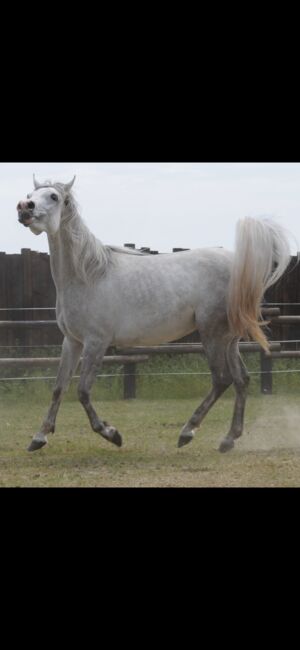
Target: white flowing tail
[{"x": 262, "y": 254}]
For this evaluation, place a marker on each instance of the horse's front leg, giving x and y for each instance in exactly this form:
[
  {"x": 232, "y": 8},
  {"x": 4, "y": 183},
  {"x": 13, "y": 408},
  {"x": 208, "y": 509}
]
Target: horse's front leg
[
  {"x": 70, "y": 356},
  {"x": 92, "y": 359}
]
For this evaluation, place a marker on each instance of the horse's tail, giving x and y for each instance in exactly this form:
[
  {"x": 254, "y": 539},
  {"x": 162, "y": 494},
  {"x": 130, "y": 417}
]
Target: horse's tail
[{"x": 261, "y": 256}]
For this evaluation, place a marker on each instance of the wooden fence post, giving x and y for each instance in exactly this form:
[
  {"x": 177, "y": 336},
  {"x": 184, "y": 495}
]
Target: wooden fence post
[
  {"x": 129, "y": 371},
  {"x": 266, "y": 377}
]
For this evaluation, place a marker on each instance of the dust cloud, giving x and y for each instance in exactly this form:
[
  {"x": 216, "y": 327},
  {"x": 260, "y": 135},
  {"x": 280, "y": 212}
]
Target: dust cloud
[{"x": 277, "y": 428}]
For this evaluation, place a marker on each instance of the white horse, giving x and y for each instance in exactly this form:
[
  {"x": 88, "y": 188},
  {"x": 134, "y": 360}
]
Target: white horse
[{"x": 115, "y": 296}]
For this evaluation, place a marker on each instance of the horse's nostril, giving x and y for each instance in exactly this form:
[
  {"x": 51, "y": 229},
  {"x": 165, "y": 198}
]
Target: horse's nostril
[{"x": 31, "y": 205}]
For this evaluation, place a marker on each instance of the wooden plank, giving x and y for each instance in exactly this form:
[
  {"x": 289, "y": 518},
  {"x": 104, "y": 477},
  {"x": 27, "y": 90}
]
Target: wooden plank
[
  {"x": 2, "y": 280},
  {"x": 14, "y": 296},
  {"x": 3, "y": 283},
  {"x": 26, "y": 281}
]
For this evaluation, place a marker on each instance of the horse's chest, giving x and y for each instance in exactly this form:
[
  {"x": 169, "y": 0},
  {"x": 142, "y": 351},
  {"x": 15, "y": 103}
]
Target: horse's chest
[
  {"x": 69, "y": 323},
  {"x": 62, "y": 324}
]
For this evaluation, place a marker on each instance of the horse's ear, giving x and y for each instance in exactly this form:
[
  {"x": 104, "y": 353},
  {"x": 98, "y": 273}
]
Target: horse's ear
[
  {"x": 68, "y": 186},
  {"x": 35, "y": 183}
]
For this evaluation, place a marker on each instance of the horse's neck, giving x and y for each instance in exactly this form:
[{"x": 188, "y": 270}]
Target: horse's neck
[{"x": 61, "y": 260}]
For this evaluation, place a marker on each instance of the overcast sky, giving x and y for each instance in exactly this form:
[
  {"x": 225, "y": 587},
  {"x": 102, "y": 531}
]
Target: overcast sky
[{"x": 160, "y": 205}]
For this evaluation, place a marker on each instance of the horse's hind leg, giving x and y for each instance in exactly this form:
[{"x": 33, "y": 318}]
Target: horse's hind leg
[
  {"x": 92, "y": 359},
  {"x": 215, "y": 348},
  {"x": 69, "y": 361},
  {"x": 240, "y": 377},
  {"x": 187, "y": 433}
]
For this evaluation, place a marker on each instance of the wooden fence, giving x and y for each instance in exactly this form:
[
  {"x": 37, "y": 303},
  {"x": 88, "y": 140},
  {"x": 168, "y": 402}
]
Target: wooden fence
[
  {"x": 27, "y": 315},
  {"x": 26, "y": 282},
  {"x": 129, "y": 357}
]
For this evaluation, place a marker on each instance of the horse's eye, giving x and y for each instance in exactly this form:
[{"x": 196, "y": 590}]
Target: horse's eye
[{"x": 54, "y": 197}]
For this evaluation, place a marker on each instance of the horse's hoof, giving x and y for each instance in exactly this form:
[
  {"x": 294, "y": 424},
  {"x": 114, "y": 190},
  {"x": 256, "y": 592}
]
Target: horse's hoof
[
  {"x": 116, "y": 439},
  {"x": 226, "y": 445},
  {"x": 112, "y": 435},
  {"x": 36, "y": 444},
  {"x": 185, "y": 438}
]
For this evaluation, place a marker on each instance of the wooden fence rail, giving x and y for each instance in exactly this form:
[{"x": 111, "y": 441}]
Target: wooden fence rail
[
  {"x": 129, "y": 357},
  {"x": 128, "y": 363},
  {"x": 27, "y": 323},
  {"x": 45, "y": 362}
]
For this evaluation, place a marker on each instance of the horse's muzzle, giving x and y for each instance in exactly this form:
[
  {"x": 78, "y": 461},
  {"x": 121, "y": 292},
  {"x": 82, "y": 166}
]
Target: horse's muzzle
[{"x": 25, "y": 217}]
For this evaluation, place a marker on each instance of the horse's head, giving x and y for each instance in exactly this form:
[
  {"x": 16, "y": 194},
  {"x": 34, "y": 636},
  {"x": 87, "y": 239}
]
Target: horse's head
[{"x": 42, "y": 210}]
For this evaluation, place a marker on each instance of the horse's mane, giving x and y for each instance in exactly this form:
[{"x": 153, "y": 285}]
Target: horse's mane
[{"x": 90, "y": 257}]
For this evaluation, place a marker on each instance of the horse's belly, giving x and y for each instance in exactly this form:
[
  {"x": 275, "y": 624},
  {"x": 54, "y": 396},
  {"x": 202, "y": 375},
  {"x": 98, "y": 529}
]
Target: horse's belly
[{"x": 154, "y": 332}]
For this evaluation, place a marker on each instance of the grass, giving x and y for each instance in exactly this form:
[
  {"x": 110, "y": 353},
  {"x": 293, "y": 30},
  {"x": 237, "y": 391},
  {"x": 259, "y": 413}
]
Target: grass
[{"x": 268, "y": 454}]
